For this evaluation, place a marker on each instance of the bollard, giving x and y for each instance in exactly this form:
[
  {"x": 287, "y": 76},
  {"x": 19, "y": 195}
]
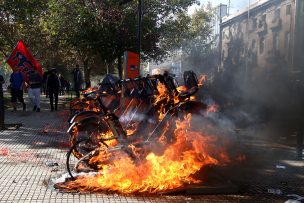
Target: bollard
[{"x": 300, "y": 144}]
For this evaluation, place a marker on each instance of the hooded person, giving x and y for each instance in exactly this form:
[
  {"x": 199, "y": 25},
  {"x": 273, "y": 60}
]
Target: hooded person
[
  {"x": 77, "y": 77},
  {"x": 53, "y": 87}
]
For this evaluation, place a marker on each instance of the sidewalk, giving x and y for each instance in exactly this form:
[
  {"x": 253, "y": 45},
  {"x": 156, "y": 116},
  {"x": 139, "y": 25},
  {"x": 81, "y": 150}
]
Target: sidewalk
[{"x": 36, "y": 153}]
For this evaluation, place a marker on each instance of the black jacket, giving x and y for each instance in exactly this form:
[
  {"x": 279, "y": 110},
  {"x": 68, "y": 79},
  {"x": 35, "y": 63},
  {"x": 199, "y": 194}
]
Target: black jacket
[
  {"x": 34, "y": 79},
  {"x": 77, "y": 76},
  {"x": 53, "y": 82}
]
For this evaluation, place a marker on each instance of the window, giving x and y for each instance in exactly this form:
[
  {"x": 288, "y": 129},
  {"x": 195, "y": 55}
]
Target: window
[
  {"x": 262, "y": 44},
  {"x": 254, "y": 24},
  {"x": 288, "y": 9},
  {"x": 276, "y": 42},
  {"x": 262, "y": 21}
]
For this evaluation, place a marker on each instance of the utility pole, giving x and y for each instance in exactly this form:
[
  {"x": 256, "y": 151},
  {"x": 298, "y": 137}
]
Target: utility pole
[
  {"x": 229, "y": 7},
  {"x": 220, "y": 38},
  {"x": 247, "y": 48},
  {"x": 139, "y": 27}
]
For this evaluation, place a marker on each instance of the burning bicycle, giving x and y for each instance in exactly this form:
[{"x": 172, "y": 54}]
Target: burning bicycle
[
  {"x": 99, "y": 133},
  {"x": 158, "y": 115}
]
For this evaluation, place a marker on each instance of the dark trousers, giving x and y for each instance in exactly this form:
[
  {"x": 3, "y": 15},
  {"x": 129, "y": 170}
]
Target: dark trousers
[
  {"x": 77, "y": 90},
  {"x": 17, "y": 94},
  {"x": 53, "y": 93}
]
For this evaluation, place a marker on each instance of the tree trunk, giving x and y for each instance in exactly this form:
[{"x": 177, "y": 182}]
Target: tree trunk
[{"x": 87, "y": 72}]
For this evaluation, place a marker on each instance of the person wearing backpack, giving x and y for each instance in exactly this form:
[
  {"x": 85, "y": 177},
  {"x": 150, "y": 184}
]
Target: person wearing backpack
[
  {"x": 53, "y": 87},
  {"x": 34, "y": 90}
]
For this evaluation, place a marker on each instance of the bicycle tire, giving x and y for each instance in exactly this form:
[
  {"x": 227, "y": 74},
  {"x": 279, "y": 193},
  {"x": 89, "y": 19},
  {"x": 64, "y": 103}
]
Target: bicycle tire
[{"x": 74, "y": 138}]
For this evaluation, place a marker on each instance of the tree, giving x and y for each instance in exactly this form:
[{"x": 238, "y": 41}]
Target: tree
[
  {"x": 92, "y": 31},
  {"x": 22, "y": 19},
  {"x": 199, "y": 44},
  {"x": 106, "y": 29}
]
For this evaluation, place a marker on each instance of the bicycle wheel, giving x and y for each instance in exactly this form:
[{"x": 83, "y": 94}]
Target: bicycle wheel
[
  {"x": 87, "y": 162},
  {"x": 87, "y": 137}
]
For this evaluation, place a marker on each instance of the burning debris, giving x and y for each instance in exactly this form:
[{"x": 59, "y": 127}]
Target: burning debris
[{"x": 159, "y": 152}]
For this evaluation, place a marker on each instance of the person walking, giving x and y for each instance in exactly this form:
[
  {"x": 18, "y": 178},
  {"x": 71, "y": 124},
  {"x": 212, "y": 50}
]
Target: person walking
[
  {"x": 77, "y": 80},
  {"x": 34, "y": 90},
  {"x": 44, "y": 77},
  {"x": 53, "y": 87},
  {"x": 62, "y": 83},
  {"x": 68, "y": 86},
  {"x": 17, "y": 83}
]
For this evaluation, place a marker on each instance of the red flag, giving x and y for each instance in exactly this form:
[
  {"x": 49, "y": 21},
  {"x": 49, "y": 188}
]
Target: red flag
[{"x": 23, "y": 59}]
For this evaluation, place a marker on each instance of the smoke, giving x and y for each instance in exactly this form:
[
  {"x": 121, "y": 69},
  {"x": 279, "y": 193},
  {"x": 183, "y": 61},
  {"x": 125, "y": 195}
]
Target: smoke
[
  {"x": 250, "y": 94},
  {"x": 132, "y": 115}
]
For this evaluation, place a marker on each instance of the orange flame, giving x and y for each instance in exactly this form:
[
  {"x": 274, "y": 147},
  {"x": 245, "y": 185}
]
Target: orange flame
[
  {"x": 90, "y": 89},
  {"x": 202, "y": 79},
  {"x": 130, "y": 131},
  {"x": 181, "y": 88},
  {"x": 168, "y": 163},
  {"x": 161, "y": 99},
  {"x": 157, "y": 172}
]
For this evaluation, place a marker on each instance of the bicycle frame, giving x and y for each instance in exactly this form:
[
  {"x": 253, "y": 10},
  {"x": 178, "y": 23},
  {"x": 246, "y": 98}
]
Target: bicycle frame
[{"x": 140, "y": 89}]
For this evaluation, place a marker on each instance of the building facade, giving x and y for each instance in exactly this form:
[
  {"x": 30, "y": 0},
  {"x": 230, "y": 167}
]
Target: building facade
[
  {"x": 263, "y": 38},
  {"x": 262, "y": 54}
]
